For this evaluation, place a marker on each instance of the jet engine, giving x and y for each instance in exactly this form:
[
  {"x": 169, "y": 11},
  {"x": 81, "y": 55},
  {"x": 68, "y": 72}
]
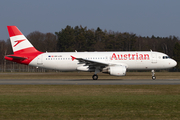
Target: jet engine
[{"x": 117, "y": 70}]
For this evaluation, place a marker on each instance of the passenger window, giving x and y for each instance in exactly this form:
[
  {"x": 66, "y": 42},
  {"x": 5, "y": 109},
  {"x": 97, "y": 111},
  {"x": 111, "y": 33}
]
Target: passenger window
[{"x": 166, "y": 57}]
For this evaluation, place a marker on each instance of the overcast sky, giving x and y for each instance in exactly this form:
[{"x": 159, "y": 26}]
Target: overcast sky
[{"x": 141, "y": 17}]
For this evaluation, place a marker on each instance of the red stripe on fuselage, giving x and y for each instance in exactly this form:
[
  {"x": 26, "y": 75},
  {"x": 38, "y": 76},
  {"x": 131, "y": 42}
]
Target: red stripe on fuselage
[{"x": 29, "y": 53}]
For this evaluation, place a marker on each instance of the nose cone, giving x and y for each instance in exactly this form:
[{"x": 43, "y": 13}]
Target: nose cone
[{"x": 173, "y": 63}]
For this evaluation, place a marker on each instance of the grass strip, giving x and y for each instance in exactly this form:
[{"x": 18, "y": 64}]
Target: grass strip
[{"x": 102, "y": 102}]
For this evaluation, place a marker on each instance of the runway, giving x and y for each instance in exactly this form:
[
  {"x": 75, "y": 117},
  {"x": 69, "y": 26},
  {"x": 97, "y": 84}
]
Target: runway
[{"x": 88, "y": 82}]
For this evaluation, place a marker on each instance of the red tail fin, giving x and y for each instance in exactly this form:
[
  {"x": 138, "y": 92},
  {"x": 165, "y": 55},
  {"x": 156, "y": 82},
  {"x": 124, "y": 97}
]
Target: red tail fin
[
  {"x": 19, "y": 42},
  {"x": 24, "y": 51}
]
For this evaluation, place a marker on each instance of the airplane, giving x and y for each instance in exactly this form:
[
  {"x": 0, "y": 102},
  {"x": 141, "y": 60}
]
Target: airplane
[{"x": 115, "y": 63}]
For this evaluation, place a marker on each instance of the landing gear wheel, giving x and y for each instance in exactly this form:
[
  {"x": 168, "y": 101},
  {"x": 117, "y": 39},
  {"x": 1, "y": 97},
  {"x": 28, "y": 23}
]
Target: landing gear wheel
[
  {"x": 95, "y": 77},
  {"x": 153, "y": 77}
]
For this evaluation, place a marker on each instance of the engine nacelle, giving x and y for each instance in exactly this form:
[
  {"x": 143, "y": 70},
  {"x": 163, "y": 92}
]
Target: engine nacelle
[{"x": 117, "y": 70}]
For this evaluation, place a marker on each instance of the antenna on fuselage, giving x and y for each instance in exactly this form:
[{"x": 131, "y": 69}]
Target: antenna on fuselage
[
  {"x": 75, "y": 50},
  {"x": 150, "y": 50}
]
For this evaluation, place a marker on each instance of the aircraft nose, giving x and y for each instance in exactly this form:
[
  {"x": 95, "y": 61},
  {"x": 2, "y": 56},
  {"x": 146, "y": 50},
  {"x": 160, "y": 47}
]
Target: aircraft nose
[{"x": 173, "y": 63}]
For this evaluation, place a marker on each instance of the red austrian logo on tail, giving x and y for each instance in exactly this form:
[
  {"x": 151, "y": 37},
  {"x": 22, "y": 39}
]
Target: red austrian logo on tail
[{"x": 18, "y": 41}]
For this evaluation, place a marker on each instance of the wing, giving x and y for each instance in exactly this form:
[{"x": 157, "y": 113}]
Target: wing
[{"x": 91, "y": 63}]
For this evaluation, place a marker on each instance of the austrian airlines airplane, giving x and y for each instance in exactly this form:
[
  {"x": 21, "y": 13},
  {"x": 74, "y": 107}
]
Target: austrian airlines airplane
[{"x": 115, "y": 63}]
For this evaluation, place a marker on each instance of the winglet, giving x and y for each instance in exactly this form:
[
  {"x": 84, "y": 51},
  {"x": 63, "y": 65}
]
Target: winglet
[{"x": 73, "y": 58}]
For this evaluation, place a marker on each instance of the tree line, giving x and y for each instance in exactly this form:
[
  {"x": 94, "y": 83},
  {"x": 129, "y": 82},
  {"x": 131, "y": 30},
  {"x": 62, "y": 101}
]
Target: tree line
[{"x": 80, "y": 38}]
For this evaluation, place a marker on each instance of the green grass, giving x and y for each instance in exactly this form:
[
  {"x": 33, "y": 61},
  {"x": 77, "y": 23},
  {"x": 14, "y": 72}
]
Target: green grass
[{"x": 90, "y": 102}]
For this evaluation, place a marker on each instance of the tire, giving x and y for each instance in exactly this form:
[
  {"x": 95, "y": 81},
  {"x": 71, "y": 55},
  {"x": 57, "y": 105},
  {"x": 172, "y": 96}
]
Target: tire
[
  {"x": 153, "y": 77},
  {"x": 95, "y": 77}
]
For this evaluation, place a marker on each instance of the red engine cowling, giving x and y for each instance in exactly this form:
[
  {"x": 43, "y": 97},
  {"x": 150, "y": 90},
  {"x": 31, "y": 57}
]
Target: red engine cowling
[{"x": 117, "y": 70}]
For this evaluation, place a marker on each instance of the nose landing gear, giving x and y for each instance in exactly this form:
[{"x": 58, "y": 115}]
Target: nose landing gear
[{"x": 153, "y": 75}]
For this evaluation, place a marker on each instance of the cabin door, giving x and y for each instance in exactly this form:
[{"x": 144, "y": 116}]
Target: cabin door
[
  {"x": 154, "y": 58},
  {"x": 40, "y": 60}
]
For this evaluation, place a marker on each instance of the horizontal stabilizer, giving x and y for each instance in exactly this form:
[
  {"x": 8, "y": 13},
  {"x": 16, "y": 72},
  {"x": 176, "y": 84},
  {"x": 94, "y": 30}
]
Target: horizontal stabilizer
[{"x": 16, "y": 57}]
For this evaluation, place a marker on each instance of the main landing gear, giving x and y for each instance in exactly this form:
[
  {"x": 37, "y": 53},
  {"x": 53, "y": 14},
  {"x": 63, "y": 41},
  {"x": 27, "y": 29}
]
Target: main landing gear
[
  {"x": 95, "y": 77},
  {"x": 153, "y": 75}
]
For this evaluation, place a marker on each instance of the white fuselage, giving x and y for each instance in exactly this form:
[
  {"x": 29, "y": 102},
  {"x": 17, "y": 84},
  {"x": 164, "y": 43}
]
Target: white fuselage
[{"x": 142, "y": 60}]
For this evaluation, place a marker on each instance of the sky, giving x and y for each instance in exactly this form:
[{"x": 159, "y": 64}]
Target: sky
[{"x": 141, "y": 17}]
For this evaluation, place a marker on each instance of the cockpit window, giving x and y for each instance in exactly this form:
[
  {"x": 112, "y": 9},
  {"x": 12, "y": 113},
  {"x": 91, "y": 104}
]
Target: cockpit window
[{"x": 166, "y": 57}]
